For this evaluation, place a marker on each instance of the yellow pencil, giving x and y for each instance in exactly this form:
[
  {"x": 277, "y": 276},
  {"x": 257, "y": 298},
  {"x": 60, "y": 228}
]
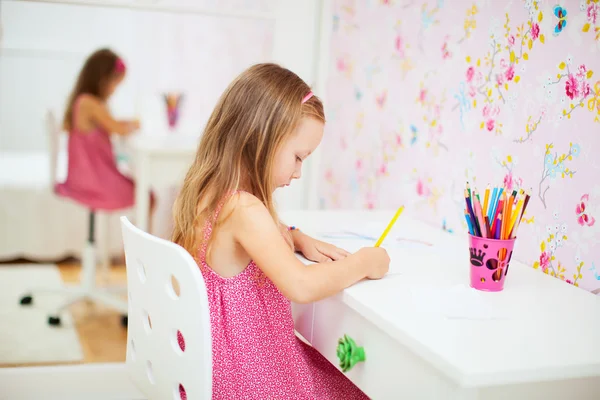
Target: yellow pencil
[
  {"x": 514, "y": 217},
  {"x": 389, "y": 227},
  {"x": 486, "y": 199}
]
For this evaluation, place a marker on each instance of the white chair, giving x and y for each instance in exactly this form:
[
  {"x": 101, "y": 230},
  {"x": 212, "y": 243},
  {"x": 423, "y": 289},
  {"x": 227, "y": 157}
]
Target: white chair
[
  {"x": 169, "y": 354},
  {"x": 87, "y": 290}
]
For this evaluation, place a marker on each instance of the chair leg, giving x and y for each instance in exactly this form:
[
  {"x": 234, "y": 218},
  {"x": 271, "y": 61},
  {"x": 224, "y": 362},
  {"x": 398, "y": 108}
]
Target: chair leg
[
  {"x": 28, "y": 297},
  {"x": 87, "y": 289},
  {"x": 106, "y": 264}
]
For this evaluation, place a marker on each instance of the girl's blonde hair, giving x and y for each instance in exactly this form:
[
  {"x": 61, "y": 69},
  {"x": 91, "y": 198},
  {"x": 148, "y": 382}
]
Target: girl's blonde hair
[{"x": 257, "y": 112}]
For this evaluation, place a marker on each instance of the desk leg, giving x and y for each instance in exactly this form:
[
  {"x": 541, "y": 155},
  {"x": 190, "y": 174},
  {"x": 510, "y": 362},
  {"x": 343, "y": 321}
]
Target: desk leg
[{"x": 142, "y": 192}]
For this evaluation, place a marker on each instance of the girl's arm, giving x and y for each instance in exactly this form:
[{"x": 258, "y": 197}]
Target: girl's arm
[
  {"x": 262, "y": 240},
  {"x": 100, "y": 115}
]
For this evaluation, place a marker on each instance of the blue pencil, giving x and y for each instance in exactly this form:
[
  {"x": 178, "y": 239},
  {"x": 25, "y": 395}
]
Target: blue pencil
[
  {"x": 496, "y": 203},
  {"x": 493, "y": 200},
  {"x": 469, "y": 224}
]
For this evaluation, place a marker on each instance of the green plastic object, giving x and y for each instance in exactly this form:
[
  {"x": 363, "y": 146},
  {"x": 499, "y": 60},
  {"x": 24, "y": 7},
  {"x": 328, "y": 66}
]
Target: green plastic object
[{"x": 349, "y": 353}]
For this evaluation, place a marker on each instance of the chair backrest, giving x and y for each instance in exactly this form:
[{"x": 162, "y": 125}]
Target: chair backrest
[
  {"x": 54, "y": 133},
  {"x": 169, "y": 354}
]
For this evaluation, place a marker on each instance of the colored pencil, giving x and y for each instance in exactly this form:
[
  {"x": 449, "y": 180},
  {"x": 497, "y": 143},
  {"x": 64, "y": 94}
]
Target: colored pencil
[
  {"x": 389, "y": 227},
  {"x": 469, "y": 189},
  {"x": 521, "y": 215},
  {"x": 496, "y": 220},
  {"x": 504, "y": 212},
  {"x": 486, "y": 198},
  {"x": 481, "y": 221},
  {"x": 500, "y": 213},
  {"x": 498, "y": 225},
  {"x": 515, "y": 215},
  {"x": 494, "y": 211},
  {"x": 469, "y": 225},
  {"x": 471, "y": 213},
  {"x": 493, "y": 201}
]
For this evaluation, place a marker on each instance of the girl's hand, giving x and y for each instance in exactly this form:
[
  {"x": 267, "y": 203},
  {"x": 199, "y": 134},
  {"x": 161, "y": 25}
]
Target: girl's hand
[
  {"x": 318, "y": 251},
  {"x": 134, "y": 125}
]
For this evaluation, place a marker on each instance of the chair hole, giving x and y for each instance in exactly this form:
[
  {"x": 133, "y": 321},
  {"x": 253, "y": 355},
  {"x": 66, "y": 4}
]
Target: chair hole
[
  {"x": 178, "y": 342},
  {"x": 173, "y": 288},
  {"x": 150, "y": 372},
  {"x": 141, "y": 271},
  {"x": 179, "y": 393},
  {"x": 132, "y": 349},
  {"x": 147, "y": 321}
]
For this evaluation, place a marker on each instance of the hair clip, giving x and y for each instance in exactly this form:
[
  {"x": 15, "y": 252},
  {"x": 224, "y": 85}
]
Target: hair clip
[
  {"x": 307, "y": 97},
  {"x": 119, "y": 66}
]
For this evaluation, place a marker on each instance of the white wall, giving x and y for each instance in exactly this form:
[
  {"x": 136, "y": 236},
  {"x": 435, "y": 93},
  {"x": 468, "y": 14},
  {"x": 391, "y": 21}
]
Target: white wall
[{"x": 171, "y": 45}]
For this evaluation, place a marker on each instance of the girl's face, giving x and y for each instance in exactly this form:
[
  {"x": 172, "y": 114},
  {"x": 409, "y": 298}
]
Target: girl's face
[
  {"x": 112, "y": 84},
  {"x": 289, "y": 158}
]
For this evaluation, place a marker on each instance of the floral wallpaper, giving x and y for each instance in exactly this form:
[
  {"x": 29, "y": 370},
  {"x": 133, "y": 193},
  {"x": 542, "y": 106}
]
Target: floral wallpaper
[{"x": 424, "y": 96}]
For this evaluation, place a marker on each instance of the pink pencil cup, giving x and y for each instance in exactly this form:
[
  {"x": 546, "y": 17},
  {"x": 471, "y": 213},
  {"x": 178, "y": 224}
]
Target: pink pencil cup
[{"x": 489, "y": 260}]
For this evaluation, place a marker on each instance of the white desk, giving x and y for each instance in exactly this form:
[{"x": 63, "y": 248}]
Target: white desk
[
  {"x": 159, "y": 160},
  {"x": 538, "y": 339}
]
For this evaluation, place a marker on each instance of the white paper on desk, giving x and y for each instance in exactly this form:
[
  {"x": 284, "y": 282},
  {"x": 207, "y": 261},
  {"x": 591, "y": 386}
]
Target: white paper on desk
[
  {"x": 355, "y": 240},
  {"x": 353, "y": 246},
  {"x": 458, "y": 302}
]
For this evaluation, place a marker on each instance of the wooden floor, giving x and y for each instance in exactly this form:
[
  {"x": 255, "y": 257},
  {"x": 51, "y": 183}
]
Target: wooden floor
[{"x": 102, "y": 337}]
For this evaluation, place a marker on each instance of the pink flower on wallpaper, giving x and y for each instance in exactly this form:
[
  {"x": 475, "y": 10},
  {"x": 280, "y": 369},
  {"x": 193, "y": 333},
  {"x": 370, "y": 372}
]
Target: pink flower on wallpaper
[
  {"x": 544, "y": 261},
  {"x": 470, "y": 74},
  {"x": 510, "y": 73},
  {"x": 359, "y": 164},
  {"x": 370, "y": 200},
  {"x": 571, "y": 87},
  {"x": 382, "y": 170},
  {"x": 422, "y": 95},
  {"x": 535, "y": 31},
  {"x": 343, "y": 143},
  {"x": 511, "y": 40},
  {"x": 422, "y": 190},
  {"x": 570, "y": 282},
  {"x": 583, "y": 218},
  {"x": 399, "y": 45},
  {"x": 341, "y": 64},
  {"x": 584, "y": 89},
  {"x": 592, "y": 12},
  {"x": 328, "y": 175},
  {"x": 499, "y": 79},
  {"x": 445, "y": 52},
  {"x": 510, "y": 181},
  {"x": 581, "y": 71},
  {"x": 479, "y": 77},
  {"x": 398, "y": 140},
  {"x": 472, "y": 91},
  {"x": 489, "y": 111}
]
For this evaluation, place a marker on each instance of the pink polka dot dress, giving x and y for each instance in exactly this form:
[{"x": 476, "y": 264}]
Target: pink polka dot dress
[{"x": 256, "y": 354}]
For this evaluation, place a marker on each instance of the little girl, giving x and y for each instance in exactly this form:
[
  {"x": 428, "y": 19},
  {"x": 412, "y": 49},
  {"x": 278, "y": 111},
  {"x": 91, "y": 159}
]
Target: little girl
[
  {"x": 92, "y": 176},
  {"x": 263, "y": 128}
]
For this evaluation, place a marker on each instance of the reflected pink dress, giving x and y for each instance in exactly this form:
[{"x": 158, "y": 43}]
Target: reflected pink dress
[
  {"x": 93, "y": 178},
  {"x": 256, "y": 354}
]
